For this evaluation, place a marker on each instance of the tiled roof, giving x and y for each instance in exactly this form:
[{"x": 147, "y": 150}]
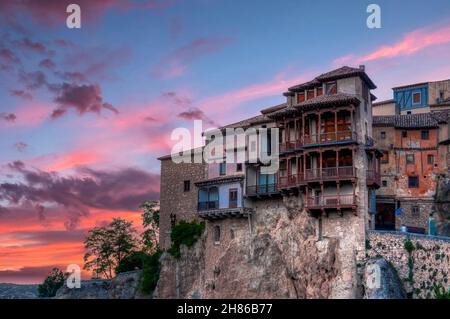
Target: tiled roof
[
  {"x": 388, "y": 120},
  {"x": 383, "y": 102},
  {"x": 409, "y": 85},
  {"x": 425, "y": 120},
  {"x": 273, "y": 108},
  {"x": 340, "y": 73},
  {"x": 193, "y": 151},
  {"x": 248, "y": 122},
  {"x": 323, "y": 100}
]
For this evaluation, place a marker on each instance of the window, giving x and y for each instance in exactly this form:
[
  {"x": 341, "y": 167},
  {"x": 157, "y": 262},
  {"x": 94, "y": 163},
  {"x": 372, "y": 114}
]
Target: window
[
  {"x": 430, "y": 159},
  {"x": 404, "y": 133},
  {"x": 216, "y": 234},
  {"x": 425, "y": 135},
  {"x": 300, "y": 97},
  {"x": 319, "y": 91},
  {"x": 223, "y": 168},
  {"x": 187, "y": 186},
  {"x": 383, "y": 135},
  {"x": 408, "y": 112},
  {"x": 413, "y": 181},
  {"x": 331, "y": 88},
  {"x": 417, "y": 98},
  {"x": 239, "y": 167},
  {"x": 384, "y": 183},
  {"x": 310, "y": 94},
  {"x": 385, "y": 158},
  {"x": 233, "y": 197},
  {"x": 409, "y": 158},
  {"x": 415, "y": 210},
  {"x": 173, "y": 220}
]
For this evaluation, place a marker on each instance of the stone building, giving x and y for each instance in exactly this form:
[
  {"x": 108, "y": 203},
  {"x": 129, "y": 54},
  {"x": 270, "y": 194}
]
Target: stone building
[
  {"x": 410, "y": 165},
  {"x": 328, "y": 172}
]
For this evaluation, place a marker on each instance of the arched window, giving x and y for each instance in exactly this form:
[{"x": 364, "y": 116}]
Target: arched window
[{"x": 216, "y": 234}]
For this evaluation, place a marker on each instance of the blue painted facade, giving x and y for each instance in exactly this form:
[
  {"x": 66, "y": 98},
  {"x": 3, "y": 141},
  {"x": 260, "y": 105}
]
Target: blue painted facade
[{"x": 404, "y": 97}]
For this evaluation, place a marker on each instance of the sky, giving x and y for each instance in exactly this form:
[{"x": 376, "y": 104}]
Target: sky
[{"x": 85, "y": 113}]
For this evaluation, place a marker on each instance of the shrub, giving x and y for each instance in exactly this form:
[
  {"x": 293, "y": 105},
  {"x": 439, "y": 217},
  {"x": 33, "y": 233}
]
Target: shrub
[
  {"x": 51, "y": 284},
  {"x": 368, "y": 246},
  {"x": 184, "y": 234},
  {"x": 440, "y": 292},
  {"x": 409, "y": 246},
  {"x": 132, "y": 262},
  {"x": 150, "y": 274}
]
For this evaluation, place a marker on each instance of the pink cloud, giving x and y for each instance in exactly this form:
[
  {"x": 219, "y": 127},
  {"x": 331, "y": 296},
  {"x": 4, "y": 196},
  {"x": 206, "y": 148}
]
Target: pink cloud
[
  {"x": 411, "y": 43},
  {"x": 177, "y": 62}
]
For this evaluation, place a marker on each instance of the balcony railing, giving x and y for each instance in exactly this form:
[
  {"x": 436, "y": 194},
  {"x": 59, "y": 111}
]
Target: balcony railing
[
  {"x": 329, "y": 137},
  {"x": 329, "y": 173},
  {"x": 330, "y": 201},
  {"x": 263, "y": 189},
  {"x": 373, "y": 177},
  {"x": 208, "y": 205}
]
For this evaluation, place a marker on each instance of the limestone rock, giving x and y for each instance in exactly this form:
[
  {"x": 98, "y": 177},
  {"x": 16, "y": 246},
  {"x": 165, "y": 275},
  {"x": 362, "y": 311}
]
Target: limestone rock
[{"x": 388, "y": 286}]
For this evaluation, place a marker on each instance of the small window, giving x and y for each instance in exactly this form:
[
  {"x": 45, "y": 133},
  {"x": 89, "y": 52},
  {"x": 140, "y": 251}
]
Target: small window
[
  {"x": 187, "y": 186},
  {"x": 223, "y": 168},
  {"x": 331, "y": 88},
  {"x": 310, "y": 94},
  {"x": 173, "y": 220},
  {"x": 413, "y": 181},
  {"x": 300, "y": 97},
  {"x": 384, "y": 183},
  {"x": 385, "y": 158},
  {"x": 239, "y": 167},
  {"x": 217, "y": 234},
  {"x": 416, "y": 98},
  {"x": 408, "y": 112},
  {"x": 409, "y": 158},
  {"x": 425, "y": 135},
  {"x": 404, "y": 133},
  {"x": 383, "y": 135},
  {"x": 430, "y": 159},
  {"x": 415, "y": 210},
  {"x": 319, "y": 91}
]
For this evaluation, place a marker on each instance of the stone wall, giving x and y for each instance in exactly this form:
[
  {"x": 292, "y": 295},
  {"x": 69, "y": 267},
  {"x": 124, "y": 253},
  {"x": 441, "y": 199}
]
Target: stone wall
[
  {"x": 174, "y": 200},
  {"x": 430, "y": 260}
]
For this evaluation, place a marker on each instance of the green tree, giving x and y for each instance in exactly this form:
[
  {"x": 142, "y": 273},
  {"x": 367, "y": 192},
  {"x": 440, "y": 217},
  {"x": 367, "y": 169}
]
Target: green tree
[
  {"x": 51, "y": 284},
  {"x": 150, "y": 222},
  {"x": 107, "y": 246}
]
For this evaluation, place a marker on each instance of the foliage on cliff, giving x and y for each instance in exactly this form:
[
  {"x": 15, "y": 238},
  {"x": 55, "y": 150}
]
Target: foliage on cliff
[
  {"x": 51, "y": 284},
  {"x": 185, "y": 233}
]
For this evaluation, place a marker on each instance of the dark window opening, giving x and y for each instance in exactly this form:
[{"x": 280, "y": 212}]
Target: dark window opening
[
  {"x": 425, "y": 135},
  {"x": 187, "y": 186},
  {"x": 216, "y": 234},
  {"x": 383, "y": 135},
  {"x": 430, "y": 159},
  {"x": 404, "y": 133},
  {"x": 239, "y": 167},
  {"x": 415, "y": 210},
  {"x": 385, "y": 158},
  {"x": 384, "y": 183},
  {"x": 413, "y": 181},
  {"x": 233, "y": 198},
  {"x": 173, "y": 220},
  {"x": 409, "y": 158},
  {"x": 223, "y": 168}
]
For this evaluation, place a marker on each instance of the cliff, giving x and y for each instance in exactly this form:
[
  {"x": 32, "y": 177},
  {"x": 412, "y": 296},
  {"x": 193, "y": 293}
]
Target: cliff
[
  {"x": 276, "y": 255},
  {"x": 442, "y": 207}
]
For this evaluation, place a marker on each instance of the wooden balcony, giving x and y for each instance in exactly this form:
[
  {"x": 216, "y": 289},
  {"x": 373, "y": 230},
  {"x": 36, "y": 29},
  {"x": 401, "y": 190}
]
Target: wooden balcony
[
  {"x": 330, "y": 173},
  {"x": 373, "y": 178},
  {"x": 330, "y": 138},
  {"x": 208, "y": 205},
  {"x": 262, "y": 190},
  {"x": 290, "y": 146},
  {"x": 331, "y": 202}
]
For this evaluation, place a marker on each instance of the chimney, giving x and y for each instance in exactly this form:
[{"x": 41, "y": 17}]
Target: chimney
[{"x": 362, "y": 67}]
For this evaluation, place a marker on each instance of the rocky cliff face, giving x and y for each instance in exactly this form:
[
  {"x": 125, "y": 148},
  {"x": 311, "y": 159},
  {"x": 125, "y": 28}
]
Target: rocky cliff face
[
  {"x": 443, "y": 207},
  {"x": 276, "y": 255},
  {"x": 11, "y": 291},
  {"x": 124, "y": 286}
]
